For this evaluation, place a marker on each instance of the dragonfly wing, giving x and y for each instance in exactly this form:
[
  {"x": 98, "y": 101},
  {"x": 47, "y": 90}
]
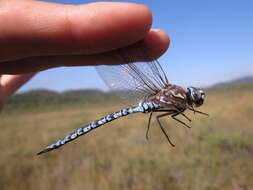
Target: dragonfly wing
[{"x": 134, "y": 81}]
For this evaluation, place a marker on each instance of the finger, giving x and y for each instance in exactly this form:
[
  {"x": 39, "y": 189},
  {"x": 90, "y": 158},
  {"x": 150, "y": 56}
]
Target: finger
[
  {"x": 34, "y": 28},
  {"x": 151, "y": 47},
  {"x": 11, "y": 83},
  {"x": 156, "y": 41}
]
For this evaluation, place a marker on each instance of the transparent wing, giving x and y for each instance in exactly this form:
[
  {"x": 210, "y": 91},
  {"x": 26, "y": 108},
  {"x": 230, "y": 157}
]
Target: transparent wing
[{"x": 134, "y": 81}]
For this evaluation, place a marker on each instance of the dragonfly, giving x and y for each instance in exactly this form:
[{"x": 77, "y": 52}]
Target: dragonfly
[{"x": 145, "y": 86}]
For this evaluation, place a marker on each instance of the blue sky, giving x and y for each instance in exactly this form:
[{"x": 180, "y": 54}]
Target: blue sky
[{"x": 211, "y": 41}]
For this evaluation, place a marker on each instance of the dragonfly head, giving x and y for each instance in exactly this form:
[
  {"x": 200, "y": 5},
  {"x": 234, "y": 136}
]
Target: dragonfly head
[{"x": 195, "y": 96}]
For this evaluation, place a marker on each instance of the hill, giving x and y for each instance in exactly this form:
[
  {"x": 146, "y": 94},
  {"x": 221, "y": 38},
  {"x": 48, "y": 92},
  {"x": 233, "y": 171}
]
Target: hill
[
  {"x": 42, "y": 98},
  {"x": 242, "y": 80}
]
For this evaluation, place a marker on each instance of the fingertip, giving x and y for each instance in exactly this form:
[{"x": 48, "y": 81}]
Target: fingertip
[{"x": 157, "y": 42}]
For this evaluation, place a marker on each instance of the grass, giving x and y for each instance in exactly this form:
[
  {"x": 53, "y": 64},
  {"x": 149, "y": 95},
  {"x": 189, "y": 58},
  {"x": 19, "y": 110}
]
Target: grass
[{"x": 216, "y": 153}]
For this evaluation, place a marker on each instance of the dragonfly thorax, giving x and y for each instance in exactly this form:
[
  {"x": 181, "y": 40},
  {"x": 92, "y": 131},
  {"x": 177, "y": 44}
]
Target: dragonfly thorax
[{"x": 195, "y": 96}]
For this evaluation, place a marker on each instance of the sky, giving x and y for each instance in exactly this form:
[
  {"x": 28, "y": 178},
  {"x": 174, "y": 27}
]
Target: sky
[{"x": 211, "y": 41}]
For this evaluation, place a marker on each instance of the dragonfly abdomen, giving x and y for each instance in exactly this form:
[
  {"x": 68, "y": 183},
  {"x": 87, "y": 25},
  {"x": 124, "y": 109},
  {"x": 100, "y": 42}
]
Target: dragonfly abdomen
[{"x": 143, "y": 107}]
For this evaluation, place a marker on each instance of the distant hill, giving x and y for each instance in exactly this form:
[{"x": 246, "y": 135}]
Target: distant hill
[
  {"x": 43, "y": 98},
  {"x": 234, "y": 86},
  {"x": 47, "y": 98},
  {"x": 242, "y": 80}
]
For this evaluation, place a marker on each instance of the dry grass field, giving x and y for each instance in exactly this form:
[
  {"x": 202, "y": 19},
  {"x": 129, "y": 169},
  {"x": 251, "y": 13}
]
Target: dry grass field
[{"x": 216, "y": 153}]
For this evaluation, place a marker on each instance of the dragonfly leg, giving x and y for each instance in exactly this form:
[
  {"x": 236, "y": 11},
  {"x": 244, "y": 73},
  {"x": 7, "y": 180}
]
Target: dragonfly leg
[
  {"x": 180, "y": 111},
  {"x": 203, "y": 113},
  {"x": 167, "y": 137},
  {"x": 149, "y": 121},
  {"x": 186, "y": 117},
  {"x": 174, "y": 117}
]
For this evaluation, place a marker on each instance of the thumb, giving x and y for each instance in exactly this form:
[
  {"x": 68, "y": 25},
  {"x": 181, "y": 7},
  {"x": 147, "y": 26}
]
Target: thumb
[{"x": 9, "y": 84}]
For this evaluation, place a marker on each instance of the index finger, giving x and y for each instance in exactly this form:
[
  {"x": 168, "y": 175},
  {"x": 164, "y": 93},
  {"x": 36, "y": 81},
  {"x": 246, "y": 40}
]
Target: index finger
[{"x": 33, "y": 28}]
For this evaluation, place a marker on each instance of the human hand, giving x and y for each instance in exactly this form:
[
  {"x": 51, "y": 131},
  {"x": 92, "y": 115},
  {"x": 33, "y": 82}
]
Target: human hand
[{"x": 35, "y": 36}]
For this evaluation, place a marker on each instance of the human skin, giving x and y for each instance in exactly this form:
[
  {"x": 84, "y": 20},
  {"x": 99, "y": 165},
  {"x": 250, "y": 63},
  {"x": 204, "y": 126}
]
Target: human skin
[{"x": 36, "y": 36}]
